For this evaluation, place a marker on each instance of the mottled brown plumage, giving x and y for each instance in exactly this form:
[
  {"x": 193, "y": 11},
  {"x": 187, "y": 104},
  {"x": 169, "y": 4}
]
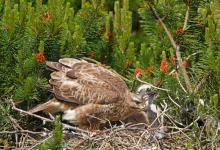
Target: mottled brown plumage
[{"x": 89, "y": 95}]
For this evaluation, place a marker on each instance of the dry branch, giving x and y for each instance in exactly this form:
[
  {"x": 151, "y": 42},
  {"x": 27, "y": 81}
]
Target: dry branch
[
  {"x": 141, "y": 81},
  {"x": 21, "y": 131},
  {"x": 41, "y": 142},
  {"x": 186, "y": 17},
  {"x": 175, "y": 46}
]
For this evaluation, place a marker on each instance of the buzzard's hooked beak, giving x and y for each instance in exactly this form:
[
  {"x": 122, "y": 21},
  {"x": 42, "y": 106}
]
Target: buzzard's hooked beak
[{"x": 138, "y": 100}]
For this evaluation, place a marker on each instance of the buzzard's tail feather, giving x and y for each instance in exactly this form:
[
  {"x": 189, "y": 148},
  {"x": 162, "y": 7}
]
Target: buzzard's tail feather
[
  {"x": 54, "y": 66},
  {"x": 49, "y": 106},
  {"x": 70, "y": 61}
]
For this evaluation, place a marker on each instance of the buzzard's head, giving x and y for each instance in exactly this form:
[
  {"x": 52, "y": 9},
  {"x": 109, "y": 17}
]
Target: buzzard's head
[
  {"x": 145, "y": 93},
  {"x": 136, "y": 104}
]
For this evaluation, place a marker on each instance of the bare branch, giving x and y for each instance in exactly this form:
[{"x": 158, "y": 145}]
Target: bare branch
[
  {"x": 41, "y": 142},
  {"x": 183, "y": 70},
  {"x": 176, "y": 47},
  {"x": 174, "y": 101},
  {"x": 193, "y": 54},
  {"x": 137, "y": 77},
  {"x": 159, "y": 115},
  {"x": 178, "y": 79},
  {"x": 20, "y": 131},
  {"x": 187, "y": 127},
  {"x": 186, "y": 17}
]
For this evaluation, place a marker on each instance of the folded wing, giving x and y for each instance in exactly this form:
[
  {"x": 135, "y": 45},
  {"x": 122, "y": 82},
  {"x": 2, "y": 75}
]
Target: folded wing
[{"x": 80, "y": 82}]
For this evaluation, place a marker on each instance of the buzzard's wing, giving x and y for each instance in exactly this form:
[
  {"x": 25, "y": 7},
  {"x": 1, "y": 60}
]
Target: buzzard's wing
[{"x": 81, "y": 82}]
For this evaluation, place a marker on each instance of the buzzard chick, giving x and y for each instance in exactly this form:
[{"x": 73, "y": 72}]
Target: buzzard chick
[
  {"x": 151, "y": 112},
  {"x": 89, "y": 95}
]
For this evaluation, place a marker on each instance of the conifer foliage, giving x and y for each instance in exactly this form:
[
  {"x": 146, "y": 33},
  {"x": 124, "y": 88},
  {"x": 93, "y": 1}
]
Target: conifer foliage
[{"x": 55, "y": 142}]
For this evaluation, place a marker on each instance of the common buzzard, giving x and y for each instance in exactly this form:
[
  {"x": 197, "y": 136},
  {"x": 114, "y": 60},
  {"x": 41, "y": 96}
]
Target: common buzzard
[{"x": 89, "y": 95}]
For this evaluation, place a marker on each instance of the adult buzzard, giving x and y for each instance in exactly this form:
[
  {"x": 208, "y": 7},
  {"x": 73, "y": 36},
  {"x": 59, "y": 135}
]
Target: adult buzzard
[{"x": 89, "y": 95}]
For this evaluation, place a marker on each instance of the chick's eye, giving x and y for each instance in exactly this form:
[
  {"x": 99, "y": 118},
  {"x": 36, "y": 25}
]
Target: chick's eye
[{"x": 148, "y": 90}]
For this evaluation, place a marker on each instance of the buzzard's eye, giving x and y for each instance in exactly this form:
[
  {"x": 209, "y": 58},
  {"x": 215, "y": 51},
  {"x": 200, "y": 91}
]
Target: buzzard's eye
[{"x": 138, "y": 102}]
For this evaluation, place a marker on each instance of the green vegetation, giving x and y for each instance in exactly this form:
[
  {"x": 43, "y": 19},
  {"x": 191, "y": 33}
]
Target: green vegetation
[{"x": 55, "y": 142}]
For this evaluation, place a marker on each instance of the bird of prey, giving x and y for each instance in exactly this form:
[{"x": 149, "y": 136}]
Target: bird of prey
[{"x": 89, "y": 95}]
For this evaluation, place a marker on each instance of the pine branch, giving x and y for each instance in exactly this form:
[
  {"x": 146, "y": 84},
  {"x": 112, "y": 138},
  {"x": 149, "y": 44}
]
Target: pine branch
[
  {"x": 201, "y": 82},
  {"x": 176, "y": 47}
]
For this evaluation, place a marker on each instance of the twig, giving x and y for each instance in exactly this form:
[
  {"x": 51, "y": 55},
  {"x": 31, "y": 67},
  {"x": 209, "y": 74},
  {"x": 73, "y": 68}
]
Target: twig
[
  {"x": 130, "y": 125},
  {"x": 162, "y": 113},
  {"x": 15, "y": 124},
  {"x": 180, "y": 129},
  {"x": 201, "y": 131},
  {"x": 192, "y": 122},
  {"x": 193, "y": 54},
  {"x": 178, "y": 79},
  {"x": 173, "y": 101},
  {"x": 79, "y": 144},
  {"x": 2, "y": 147},
  {"x": 20, "y": 131},
  {"x": 174, "y": 70},
  {"x": 201, "y": 82},
  {"x": 176, "y": 47},
  {"x": 21, "y": 145},
  {"x": 185, "y": 128},
  {"x": 186, "y": 17},
  {"x": 146, "y": 131},
  {"x": 41, "y": 142},
  {"x": 137, "y": 77},
  {"x": 174, "y": 127},
  {"x": 187, "y": 58},
  {"x": 183, "y": 70}
]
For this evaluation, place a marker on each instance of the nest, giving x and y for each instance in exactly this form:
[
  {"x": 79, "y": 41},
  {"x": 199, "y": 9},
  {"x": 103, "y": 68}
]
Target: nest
[
  {"x": 115, "y": 137},
  {"x": 118, "y": 138}
]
